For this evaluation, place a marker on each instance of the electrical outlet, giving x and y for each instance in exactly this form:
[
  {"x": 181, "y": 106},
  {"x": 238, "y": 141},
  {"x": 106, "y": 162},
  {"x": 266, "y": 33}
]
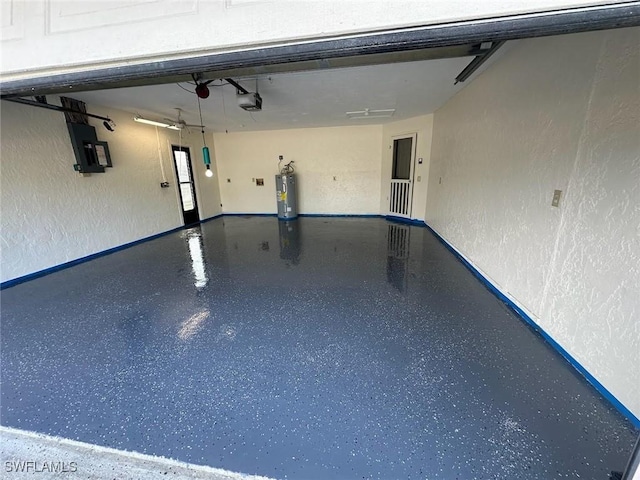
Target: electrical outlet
[
  {"x": 419, "y": 178},
  {"x": 556, "y": 198},
  {"x": 260, "y": 182}
]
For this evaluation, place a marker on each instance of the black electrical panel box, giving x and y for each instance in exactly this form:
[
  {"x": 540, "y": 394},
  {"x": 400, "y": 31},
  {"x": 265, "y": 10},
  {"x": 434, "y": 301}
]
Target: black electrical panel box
[{"x": 92, "y": 155}]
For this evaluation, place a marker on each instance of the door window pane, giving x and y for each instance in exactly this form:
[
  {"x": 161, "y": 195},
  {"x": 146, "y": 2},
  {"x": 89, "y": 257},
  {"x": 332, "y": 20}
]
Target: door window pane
[
  {"x": 182, "y": 166},
  {"x": 187, "y": 196},
  {"x": 402, "y": 158}
]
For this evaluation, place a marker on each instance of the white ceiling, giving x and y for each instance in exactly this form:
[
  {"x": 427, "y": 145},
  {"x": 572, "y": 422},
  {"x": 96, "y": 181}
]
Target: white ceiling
[{"x": 299, "y": 99}]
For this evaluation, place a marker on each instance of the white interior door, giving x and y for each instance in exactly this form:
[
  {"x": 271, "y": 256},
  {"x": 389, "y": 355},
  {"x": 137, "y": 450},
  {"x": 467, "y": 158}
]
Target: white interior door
[{"x": 403, "y": 156}]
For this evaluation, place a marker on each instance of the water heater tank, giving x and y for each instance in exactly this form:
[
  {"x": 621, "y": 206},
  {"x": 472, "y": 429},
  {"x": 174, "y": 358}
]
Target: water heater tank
[{"x": 286, "y": 196}]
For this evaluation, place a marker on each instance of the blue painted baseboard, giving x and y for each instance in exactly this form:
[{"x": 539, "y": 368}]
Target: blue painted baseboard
[
  {"x": 409, "y": 221},
  {"x": 363, "y": 215},
  {"x": 249, "y": 215},
  {"x": 62, "y": 266},
  {"x": 531, "y": 323},
  {"x": 204, "y": 220}
]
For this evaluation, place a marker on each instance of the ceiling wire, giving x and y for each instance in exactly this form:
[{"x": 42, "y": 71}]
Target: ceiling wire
[
  {"x": 185, "y": 89},
  {"x": 195, "y": 85},
  {"x": 224, "y": 110},
  {"x": 204, "y": 141}
]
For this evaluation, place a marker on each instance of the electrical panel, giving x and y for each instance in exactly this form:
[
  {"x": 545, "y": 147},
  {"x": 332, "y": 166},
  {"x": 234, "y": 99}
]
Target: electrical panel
[{"x": 92, "y": 155}]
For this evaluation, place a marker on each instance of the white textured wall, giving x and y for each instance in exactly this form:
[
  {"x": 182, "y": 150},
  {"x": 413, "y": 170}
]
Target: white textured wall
[
  {"x": 51, "y": 215},
  {"x": 53, "y": 36},
  {"x": 350, "y": 154},
  {"x": 422, "y": 126},
  {"x": 554, "y": 113}
]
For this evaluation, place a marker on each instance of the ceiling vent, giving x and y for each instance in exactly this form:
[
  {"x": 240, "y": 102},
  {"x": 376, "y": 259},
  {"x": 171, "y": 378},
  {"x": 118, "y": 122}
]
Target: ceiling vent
[{"x": 368, "y": 113}]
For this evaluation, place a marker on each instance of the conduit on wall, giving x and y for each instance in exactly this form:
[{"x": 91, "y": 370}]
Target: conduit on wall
[{"x": 164, "y": 177}]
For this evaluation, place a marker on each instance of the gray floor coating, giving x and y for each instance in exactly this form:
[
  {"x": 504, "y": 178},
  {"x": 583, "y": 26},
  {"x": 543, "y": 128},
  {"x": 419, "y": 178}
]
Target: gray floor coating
[{"x": 315, "y": 349}]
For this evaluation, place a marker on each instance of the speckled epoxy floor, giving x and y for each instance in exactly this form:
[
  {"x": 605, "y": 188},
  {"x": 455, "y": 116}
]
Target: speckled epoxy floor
[{"x": 325, "y": 348}]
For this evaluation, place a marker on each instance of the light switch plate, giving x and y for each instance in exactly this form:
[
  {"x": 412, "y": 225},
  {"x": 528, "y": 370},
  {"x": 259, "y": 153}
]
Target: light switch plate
[{"x": 556, "y": 198}]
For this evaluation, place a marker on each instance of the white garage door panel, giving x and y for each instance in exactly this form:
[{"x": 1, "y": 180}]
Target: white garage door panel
[
  {"x": 11, "y": 21},
  {"x": 54, "y": 36},
  {"x": 77, "y": 16}
]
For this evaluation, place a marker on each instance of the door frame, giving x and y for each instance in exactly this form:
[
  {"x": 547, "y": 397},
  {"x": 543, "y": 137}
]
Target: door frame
[
  {"x": 196, "y": 210},
  {"x": 412, "y": 169}
]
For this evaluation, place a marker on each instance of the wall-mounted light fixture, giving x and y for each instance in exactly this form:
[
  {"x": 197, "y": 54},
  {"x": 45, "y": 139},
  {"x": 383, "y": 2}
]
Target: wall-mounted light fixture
[{"x": 140, "y": 119}]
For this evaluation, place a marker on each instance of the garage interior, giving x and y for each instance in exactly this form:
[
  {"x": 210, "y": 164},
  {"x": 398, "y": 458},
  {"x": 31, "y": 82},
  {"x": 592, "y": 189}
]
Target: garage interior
[{"x": 486, "y": 326}]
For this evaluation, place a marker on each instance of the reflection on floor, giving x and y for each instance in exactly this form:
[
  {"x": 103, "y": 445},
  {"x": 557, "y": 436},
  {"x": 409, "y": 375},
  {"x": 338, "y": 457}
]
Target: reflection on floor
[{"x": 312, "y": 349}]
